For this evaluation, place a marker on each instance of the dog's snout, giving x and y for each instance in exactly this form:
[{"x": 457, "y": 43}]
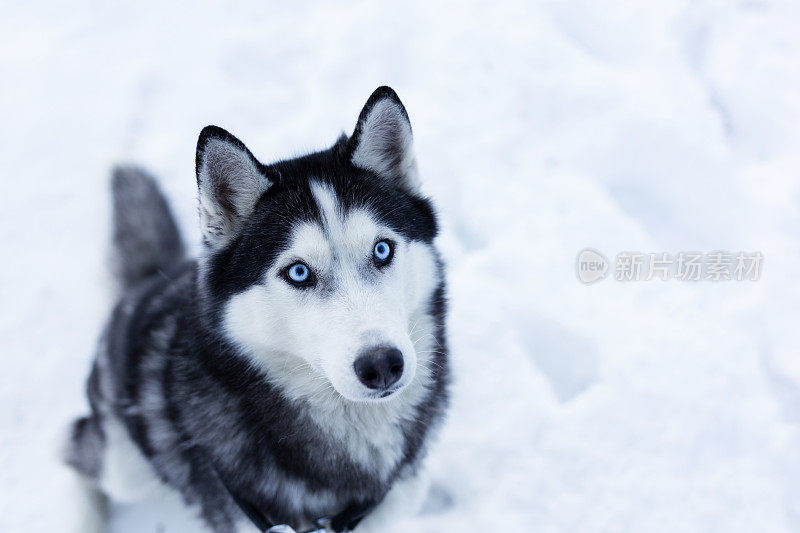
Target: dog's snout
[{"x": 380, "y": 367}]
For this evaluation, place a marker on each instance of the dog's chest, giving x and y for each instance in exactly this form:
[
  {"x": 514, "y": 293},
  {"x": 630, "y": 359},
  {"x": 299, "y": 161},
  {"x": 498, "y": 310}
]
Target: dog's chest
[{"x": 373, "y": 438}]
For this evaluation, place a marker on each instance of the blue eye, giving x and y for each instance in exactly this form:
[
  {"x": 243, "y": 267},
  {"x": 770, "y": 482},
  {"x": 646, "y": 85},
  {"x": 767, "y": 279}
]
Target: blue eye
[
  {"x": 298, "y": 273},
  {"x": 382, "y": 252}
]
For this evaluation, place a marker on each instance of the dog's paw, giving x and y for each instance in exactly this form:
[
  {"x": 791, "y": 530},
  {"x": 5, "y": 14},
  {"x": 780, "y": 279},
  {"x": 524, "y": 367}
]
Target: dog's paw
[{"x": 88, "y": 508}]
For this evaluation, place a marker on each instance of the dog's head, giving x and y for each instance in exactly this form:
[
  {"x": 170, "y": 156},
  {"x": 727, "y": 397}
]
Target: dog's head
[{"x": 321, "y": 269}]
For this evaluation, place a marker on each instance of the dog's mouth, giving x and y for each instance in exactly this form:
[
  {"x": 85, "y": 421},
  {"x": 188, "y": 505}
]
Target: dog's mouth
[
  {"x": 373, "y": 396},
  {"x": 385, "y": 395}
]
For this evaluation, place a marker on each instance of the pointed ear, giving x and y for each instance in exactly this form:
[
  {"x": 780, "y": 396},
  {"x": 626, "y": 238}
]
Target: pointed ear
[
  {"x": 382, "y": 141},
  {"x": 230, "y": 181}
]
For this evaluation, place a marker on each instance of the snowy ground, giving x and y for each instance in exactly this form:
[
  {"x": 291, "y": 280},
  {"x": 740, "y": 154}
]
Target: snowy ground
[{"x": 541, "y": 128}]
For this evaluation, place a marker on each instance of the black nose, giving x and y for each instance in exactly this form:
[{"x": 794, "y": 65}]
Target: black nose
[{"x": 379, "y": 367}]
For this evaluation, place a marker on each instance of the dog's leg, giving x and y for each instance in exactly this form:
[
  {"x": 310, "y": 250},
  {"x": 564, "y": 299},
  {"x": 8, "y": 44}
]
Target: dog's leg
[
  {"x": 404, "y": 499},
  {"x": 88, "y": 507},
  {"x": 83, "y": 451}
]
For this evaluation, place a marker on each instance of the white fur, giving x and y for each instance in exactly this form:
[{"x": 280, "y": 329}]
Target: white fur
[
  {"x": 384, "y": 132},
  {"x": 307, "y": 340},
  {"x": 88, "y": 508},
  {"x": 126, "y": 476}
]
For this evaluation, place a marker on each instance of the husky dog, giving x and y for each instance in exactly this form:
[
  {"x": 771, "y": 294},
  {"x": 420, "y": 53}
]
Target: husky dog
[{"x": 297, "y": 369}]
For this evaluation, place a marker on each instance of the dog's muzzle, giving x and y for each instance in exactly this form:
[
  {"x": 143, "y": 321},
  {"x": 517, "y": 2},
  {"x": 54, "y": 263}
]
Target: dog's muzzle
[{"x": 379, "y": 368}]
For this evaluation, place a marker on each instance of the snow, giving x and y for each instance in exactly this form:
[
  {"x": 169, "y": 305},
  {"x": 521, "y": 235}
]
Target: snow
[{"x": 541, "y": 129}]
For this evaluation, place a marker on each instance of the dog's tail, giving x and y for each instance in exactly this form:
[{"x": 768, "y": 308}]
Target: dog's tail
[{"x": 146, "y": 239}]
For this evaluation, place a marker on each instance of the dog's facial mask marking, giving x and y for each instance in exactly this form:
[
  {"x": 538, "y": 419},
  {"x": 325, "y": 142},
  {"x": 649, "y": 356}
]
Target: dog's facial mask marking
[
  {"x": 351, "y": 327},
  {"x": 343, "y": 290}
]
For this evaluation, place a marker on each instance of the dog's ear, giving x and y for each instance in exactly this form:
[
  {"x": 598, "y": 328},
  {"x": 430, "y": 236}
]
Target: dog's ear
[
  {"x": 382, "y": 141},
  {"x": 230, "y": 181}
]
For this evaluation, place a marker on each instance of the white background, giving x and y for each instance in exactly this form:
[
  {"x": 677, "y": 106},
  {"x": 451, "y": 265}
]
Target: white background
[{"x": 541, "y": 128}]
